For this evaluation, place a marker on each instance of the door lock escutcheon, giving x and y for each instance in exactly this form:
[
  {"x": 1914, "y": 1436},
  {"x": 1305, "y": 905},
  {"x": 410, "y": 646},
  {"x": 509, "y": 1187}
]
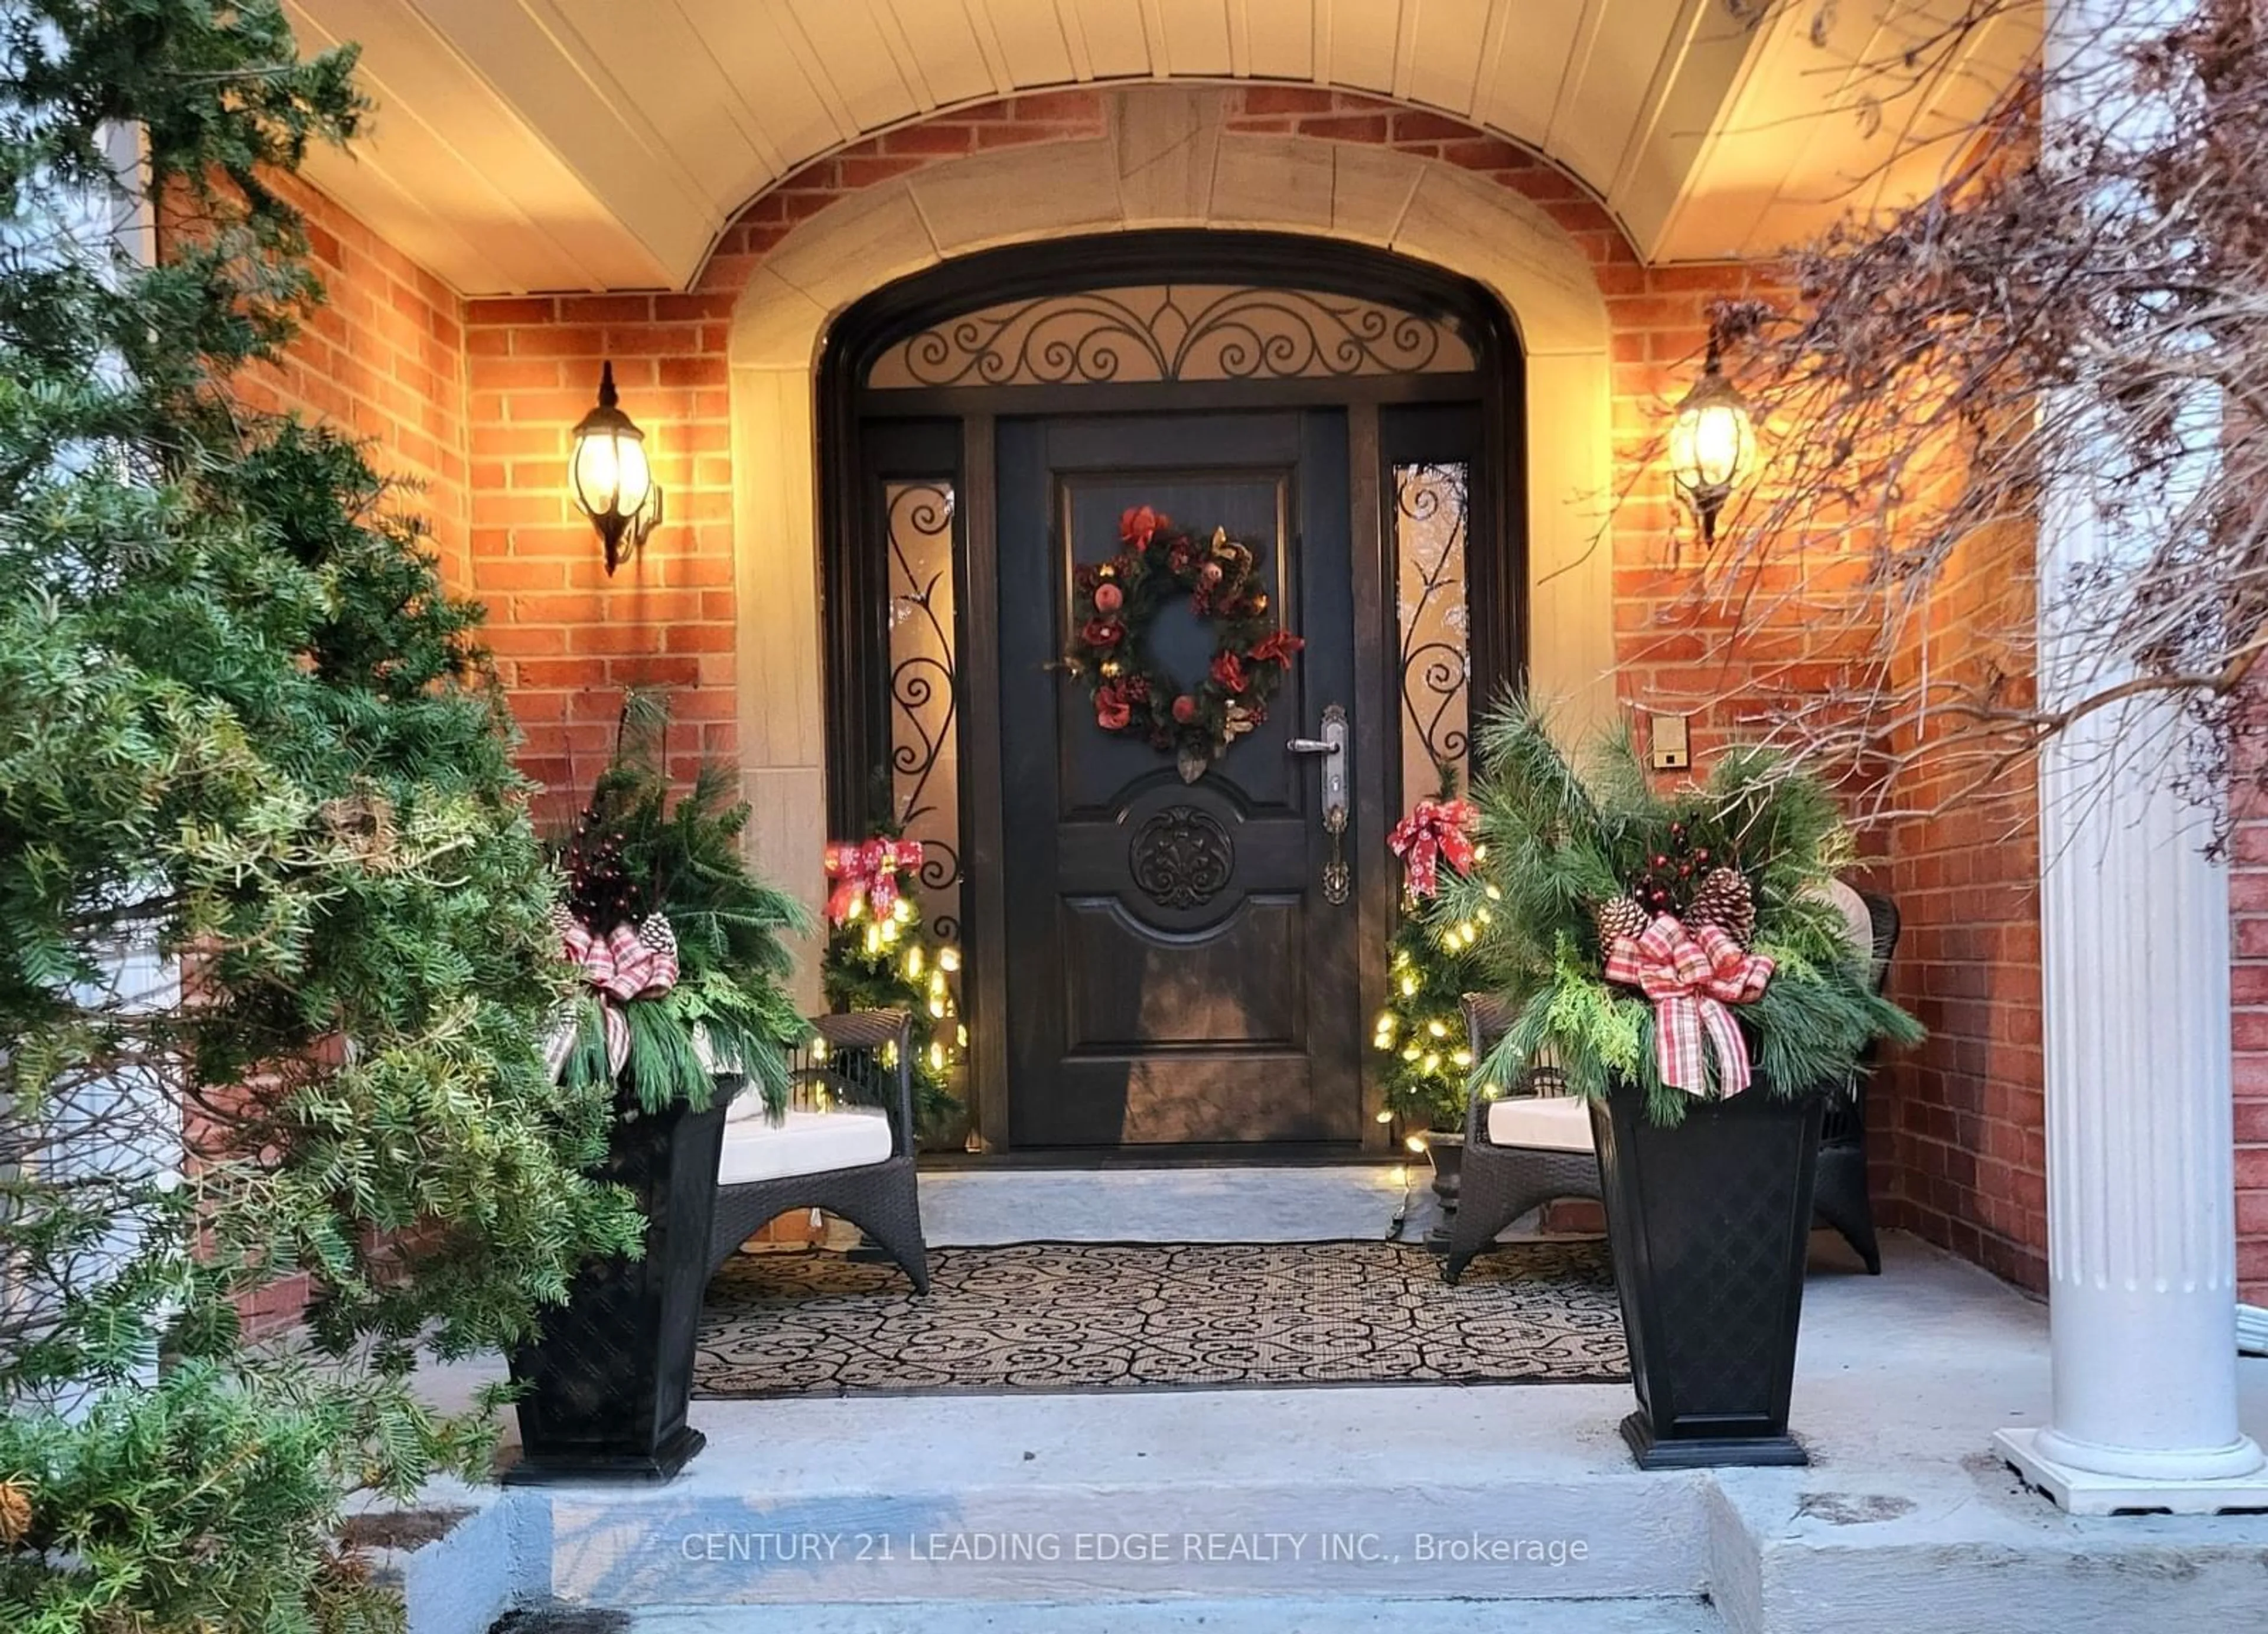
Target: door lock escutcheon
[{"x": 1332, "y": 747}]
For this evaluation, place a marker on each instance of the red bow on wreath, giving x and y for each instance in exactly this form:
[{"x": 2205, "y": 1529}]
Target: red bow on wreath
[
  {"x": 621, "y": 964},
  {"x": 867, "y": 872},
  {"x": 1278, "y": 648},
  {"x": 1690, "y": 976},
  {"x": 1437, "y": 831}
]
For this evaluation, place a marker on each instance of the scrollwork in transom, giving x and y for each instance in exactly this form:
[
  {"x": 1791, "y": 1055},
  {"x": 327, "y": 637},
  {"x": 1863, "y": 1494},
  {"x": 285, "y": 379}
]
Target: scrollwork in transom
[{"x": 1172, "y": 332}]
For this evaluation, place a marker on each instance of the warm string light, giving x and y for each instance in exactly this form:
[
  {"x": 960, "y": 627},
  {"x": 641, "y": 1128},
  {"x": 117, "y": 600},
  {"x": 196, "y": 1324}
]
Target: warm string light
[{"x": 883, "y": 930}]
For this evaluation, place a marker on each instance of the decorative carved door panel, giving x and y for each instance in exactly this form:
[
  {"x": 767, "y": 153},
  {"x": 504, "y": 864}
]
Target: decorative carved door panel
[{"x": 1177, "y": 971}]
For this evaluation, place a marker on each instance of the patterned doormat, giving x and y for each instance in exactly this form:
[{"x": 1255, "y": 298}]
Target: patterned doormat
[{"x": 1086, "y": 1316}]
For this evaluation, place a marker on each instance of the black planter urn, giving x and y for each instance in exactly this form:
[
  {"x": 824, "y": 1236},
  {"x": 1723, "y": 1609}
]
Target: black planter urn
[
  {"x": 1709, "y": 1223},
  {"x": 604, "y": 1390}
]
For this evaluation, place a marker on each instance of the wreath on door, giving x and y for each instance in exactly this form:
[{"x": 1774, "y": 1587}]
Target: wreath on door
[{"x": 1121, "y": 598}]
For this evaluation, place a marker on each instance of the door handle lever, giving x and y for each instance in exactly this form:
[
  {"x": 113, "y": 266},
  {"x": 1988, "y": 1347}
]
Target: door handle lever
[{"x": 1332, "y": 747}]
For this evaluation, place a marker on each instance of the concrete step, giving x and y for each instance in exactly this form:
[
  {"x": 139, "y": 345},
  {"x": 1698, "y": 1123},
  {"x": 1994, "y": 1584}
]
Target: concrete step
[
  {"x": 1216, "y": 1617},
  {"x": 1539, "y": 1540},
  {"x": 1373, "y": 1493}
]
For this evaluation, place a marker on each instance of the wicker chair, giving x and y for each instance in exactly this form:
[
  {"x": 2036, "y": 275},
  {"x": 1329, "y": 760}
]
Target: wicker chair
[
  {"x": 847, "y": 1147},
  {"x": 1502, "y": 1180},
  {"x": 1840, "y": 1195},
  {"x": 1520, "y": 1151}
]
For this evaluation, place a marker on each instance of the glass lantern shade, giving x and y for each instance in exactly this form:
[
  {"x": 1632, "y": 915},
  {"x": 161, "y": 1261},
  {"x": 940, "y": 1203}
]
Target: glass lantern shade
[
  {"x": 613, "y": 486},
  {"x": 1711, "y": 442}
]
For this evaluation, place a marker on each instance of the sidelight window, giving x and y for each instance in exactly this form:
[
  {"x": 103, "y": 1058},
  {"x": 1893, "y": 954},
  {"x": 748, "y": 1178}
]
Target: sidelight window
[
  {"x": 924, "y": 760},
  {"x": 1432, "y": 523}
]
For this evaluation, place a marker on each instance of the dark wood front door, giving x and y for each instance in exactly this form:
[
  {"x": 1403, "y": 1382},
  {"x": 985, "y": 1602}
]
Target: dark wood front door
[{"x": 1175, "y": 974}]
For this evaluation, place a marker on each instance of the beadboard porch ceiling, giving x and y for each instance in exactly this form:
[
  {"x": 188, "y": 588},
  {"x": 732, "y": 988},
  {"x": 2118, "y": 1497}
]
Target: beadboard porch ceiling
[{"x": 572, "y": 144}]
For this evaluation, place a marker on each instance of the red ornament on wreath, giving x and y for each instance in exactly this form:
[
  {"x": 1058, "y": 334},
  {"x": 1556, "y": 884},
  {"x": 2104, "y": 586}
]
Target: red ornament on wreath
[{"x": 1132, "y": 696}]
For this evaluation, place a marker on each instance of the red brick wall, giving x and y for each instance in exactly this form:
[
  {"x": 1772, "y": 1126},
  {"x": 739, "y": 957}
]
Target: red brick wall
[
  {"x": 568, "y": 637},
  {"x": 383, "y": 357},
  {"x": 1965, "y": 1163},
  {"x": 2248, "y": 895}
]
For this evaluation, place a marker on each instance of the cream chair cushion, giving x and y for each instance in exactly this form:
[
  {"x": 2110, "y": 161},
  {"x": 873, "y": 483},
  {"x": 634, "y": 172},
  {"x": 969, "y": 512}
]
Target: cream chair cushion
[
  {"x": 809, "y": 1142},
  {"x": 1858, "y": 922},
  {"x": 1553, "y": 1123}
]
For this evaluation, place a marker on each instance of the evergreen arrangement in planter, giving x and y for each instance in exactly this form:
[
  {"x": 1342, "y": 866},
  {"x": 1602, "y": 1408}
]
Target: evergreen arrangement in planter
[
  {"x": 1674, "y": 956},
  {"x": 682, "y": 959}
]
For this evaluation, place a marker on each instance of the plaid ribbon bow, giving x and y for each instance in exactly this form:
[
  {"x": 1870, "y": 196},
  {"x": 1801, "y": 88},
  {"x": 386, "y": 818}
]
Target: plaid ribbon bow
[
  {"x": 1435, "y": 832},
  {"x": 867, "y": 872},
  {"x": 1690, "y": 976},
  {"x": 621, "y": 964}
]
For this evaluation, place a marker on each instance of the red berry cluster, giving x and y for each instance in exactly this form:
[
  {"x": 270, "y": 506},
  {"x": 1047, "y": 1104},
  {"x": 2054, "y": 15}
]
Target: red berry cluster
[
  {"x": 1664, "y": 883},
  {"x": 600, "y": 890}
]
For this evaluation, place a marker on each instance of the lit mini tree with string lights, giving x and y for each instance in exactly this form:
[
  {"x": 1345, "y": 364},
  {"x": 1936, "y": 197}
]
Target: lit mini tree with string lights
[
  {"x": 1420, "y": 1034},
  {"x": 881, "y": 956}
]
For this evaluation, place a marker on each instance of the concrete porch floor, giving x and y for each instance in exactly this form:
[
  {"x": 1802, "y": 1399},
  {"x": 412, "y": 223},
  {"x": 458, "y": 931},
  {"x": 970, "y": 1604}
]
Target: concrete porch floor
[{"x": 1354, "y": 1508}]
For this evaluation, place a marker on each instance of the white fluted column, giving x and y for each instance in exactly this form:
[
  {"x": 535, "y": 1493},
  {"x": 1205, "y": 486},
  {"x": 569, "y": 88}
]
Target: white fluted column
[
  {"x": 2141, "y": 1221},
  {"x": 2135, "y": 967}
]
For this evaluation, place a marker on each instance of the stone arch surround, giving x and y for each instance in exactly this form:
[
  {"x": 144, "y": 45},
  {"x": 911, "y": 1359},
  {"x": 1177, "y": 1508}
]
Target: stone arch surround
[{"x": 1163, "y": 158}]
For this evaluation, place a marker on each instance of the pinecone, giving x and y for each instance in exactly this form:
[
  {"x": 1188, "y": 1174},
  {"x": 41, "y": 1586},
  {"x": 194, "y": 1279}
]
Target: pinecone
[
  {"x": 1724, "y": 901},
  {"x": 656, "y": 933},
  {"x": 15, "y": 1510},
  {"x": 1619, "y": 918}
]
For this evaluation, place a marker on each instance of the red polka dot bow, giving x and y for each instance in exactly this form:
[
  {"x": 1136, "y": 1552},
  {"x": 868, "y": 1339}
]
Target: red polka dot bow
[
  {"x": 866, "y": 873},
  {"x": 1437, "y": 831}
]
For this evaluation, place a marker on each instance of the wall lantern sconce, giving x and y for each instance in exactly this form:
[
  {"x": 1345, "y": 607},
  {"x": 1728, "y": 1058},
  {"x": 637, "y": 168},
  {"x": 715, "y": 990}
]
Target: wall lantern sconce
[
  {"x": 613, "y": 486},
  {"x": 1712, "y": 442}
]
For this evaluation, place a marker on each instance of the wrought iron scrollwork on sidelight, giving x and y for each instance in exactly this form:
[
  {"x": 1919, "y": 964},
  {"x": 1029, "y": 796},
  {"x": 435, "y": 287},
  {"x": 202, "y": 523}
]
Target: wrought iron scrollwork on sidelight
[
  {"x": 1430, "y": 522},
  {"x": 1172, "y": 332},
  {"x": 1181, "y": 858},
  {"x": 924, "y": 769}
]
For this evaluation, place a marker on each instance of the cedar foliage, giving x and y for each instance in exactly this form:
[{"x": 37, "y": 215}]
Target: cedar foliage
[
  {"x": 1557, "y": 840},
  {"x": 245, "y": 735}
]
